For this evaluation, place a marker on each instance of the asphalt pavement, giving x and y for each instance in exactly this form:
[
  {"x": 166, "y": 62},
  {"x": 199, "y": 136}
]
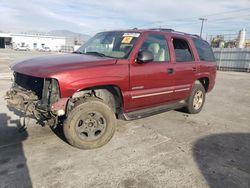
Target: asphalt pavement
[{"x": 171, "y": 149}]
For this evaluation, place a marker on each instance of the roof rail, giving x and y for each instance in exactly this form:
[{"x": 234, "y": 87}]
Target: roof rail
[
  {"x": 173, "y": 31},
  {"x": 194, "y": 35},
  {"x": 169, "y": 30},
  {"x": 162, "y": 29},
  {"x": 180, "y": 33}
]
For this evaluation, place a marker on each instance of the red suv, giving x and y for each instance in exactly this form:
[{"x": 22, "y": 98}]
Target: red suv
[{"x": 116, "y": 74}]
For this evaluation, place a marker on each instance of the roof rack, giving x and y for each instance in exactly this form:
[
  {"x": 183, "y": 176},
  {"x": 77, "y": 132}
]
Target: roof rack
[
  {"x": 195, "y": 36},
  {"x": 169, "y": 30},
  {"x": 176, "y": 32},
  {"x": 162, "y": 29}
]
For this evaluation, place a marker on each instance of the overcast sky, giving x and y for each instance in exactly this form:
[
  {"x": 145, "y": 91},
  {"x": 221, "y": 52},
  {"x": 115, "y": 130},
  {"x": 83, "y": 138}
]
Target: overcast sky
[{"x": 91, "y": 16}]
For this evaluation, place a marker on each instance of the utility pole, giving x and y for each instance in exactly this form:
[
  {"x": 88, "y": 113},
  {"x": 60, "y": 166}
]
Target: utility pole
[{"x": 202, "y": 22}]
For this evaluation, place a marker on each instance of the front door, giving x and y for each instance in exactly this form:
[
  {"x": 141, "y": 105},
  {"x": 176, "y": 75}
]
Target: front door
[{"x": 152, "y": 83}]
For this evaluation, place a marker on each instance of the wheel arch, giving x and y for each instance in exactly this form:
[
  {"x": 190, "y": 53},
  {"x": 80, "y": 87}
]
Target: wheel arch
[
  {"x": 205, "y": 82},
  {"x": 111, "y": 94}
]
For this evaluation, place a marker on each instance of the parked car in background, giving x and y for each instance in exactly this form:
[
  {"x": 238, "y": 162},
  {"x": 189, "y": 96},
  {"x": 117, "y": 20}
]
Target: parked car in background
[
  {"x": 126, "y": 74},
  {"x": 22, "y": 48},
  {"x": 45, "y": 49}
]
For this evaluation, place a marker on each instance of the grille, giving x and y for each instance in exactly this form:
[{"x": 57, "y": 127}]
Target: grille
[{"x": 31, "y": 83}]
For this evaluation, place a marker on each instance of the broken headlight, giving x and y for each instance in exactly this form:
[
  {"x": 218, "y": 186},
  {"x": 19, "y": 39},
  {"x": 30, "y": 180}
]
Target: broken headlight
[{"x": 51, "y": 91}]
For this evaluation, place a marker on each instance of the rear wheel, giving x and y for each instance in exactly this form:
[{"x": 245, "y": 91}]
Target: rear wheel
[
  {"x": 196, "y": 100},
  {"x": 90, "y": 124}
]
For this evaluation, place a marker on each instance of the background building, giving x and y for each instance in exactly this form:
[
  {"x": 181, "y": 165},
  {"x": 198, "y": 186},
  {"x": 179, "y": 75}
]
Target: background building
[
  {"x": 33, "y": 42},
  {"x": 238, "y": 41}
]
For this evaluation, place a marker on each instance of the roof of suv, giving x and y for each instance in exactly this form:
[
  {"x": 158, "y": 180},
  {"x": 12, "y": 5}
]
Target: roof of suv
[{"x": 165, "y": 30}]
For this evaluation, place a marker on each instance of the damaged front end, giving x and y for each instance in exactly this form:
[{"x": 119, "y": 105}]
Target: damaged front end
[{"x": 35, "y": 98}]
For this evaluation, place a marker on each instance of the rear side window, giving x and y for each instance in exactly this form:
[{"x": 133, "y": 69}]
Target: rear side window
[
  {"x": 182, "y": 50},
  {"x": 204, "y": 50}
]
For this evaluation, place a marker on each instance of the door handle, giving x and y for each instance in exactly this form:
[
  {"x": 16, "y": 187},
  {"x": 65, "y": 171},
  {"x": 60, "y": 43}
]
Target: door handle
[
  {"x": 170, "y": 71},
  {"x": 194, "y": 69}
]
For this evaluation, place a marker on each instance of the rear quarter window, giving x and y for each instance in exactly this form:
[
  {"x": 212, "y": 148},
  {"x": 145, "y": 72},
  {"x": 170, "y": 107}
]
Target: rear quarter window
[{"x": 204, "y": 50}]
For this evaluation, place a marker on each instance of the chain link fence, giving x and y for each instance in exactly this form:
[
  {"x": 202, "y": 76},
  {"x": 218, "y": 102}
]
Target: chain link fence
[{"x": 232, "y": 59}]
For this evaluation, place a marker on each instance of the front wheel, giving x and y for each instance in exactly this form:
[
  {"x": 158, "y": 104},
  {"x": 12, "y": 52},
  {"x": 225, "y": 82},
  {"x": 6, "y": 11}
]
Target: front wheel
[
  {"x": 90, "y": 124},
  {"x": 196, "y": 100}
]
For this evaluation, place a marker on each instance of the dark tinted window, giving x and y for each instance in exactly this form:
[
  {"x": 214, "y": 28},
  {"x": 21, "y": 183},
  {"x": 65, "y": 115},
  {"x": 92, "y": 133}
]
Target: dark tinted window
[
  {"x": 204, "y": 50},
  {"x": 156, "y": 44},
  {"x": 182, "y": 50}
]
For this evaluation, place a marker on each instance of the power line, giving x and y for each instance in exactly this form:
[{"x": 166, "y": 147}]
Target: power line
[
  {"x": 204, "y": 16},
  {"x": 220, "y": 30},
  {"x": 220, "y": 20},
  {"x": 230, "y": 18},
  {"x": 221, "y": 13},
  {"x": 190, "y": 21}
]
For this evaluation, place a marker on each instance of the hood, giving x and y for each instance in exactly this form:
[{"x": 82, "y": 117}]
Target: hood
[{"x": 47, "y": 66}]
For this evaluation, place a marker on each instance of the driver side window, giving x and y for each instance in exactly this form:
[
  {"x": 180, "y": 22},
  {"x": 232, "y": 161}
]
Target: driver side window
[{"x": 157, "y": 45}]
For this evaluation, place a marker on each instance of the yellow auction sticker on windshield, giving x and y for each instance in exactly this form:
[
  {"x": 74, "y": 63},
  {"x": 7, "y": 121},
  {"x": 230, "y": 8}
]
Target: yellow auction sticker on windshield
[{"x": 127, "y": 40}]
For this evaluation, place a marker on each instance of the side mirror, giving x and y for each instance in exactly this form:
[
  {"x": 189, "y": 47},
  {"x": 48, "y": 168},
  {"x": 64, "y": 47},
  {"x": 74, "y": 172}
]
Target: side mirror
[{"x": 145, "y": 57}]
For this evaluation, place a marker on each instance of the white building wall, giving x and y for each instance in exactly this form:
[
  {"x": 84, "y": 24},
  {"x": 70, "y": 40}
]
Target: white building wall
[
  {"x": 38, "y": 41},
  {"x": 5, "y": 35}
]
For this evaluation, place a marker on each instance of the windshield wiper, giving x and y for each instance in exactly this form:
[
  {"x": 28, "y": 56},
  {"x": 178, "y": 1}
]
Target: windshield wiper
[
  {"x": 77, "y": 52},
  {"x": 96, "y": 53},
  {"x": 91, "y": 53}
]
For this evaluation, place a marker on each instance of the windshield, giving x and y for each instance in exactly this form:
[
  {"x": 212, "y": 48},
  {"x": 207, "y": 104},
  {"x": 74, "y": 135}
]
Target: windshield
[{"x": 115, "y": 44}]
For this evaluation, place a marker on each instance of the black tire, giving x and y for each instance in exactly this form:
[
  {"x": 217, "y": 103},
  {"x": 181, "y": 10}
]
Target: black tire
[
  {"x": 91, "y": 124},
  {"x": 195, "y": 103}
]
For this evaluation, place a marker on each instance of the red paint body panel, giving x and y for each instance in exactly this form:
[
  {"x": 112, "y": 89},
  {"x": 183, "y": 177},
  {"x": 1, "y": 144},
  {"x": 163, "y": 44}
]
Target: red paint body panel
[
  {"x": 141, "y": 85},
  {"x": 61, "y": 104},
  {"x": 51, "y": 65}
]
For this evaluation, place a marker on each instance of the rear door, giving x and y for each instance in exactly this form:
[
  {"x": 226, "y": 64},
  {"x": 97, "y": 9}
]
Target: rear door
[
  {"x": 185, "y": 67},
  {"x": 152, "y": 83},
  {"x": 207, "y": 64}
]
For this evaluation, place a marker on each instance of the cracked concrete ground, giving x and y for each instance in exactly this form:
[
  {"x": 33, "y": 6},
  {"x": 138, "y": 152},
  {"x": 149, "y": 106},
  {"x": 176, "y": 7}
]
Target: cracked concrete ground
[{"x": 172, "y": 149}]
